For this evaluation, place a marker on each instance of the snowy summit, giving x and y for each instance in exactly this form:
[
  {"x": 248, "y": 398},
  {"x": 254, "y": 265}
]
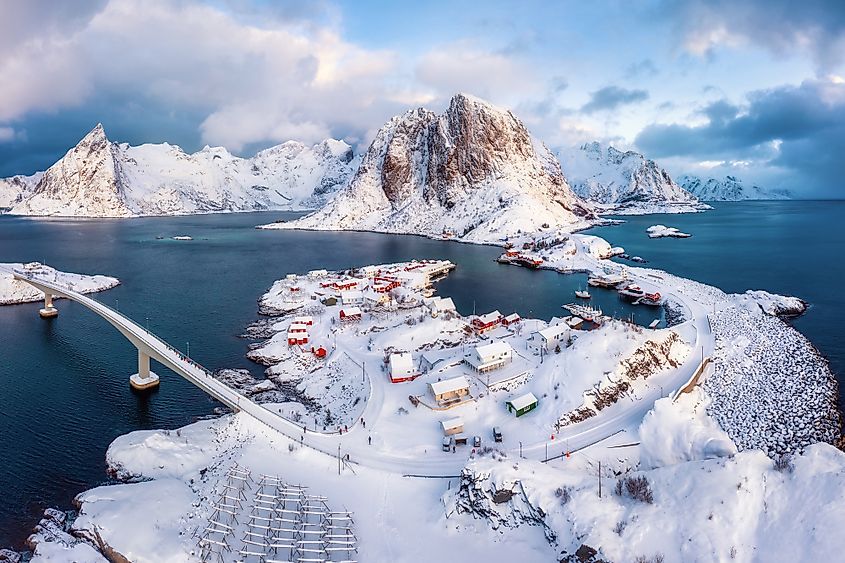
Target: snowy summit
[
  {"x": 473, "y": 172},
  {"x": 100, "y": 178},
  {"x": 729, "y": 189}
]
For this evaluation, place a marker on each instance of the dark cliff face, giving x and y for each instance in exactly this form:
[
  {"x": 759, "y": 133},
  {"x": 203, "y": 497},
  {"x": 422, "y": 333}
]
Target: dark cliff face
[{"x": 442, "y": 158}]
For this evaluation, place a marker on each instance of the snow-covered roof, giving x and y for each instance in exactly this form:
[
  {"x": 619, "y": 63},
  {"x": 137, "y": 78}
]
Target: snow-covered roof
[
  {"x": 303, "y": 319},
  {"x": 494, "y": 349},
  {"x": 401, "y": 362},
  {"x": 352, "y": 294},
  {"x": 490, "y": 317},
  {"x": 523, "y": 401},
  {"x": 574, "y": 321},
  {"x": 449, "y": 385},
  {"x": 350, "y": 311},
  {"x": 452, "y": 423},
  {"x": 513, "y": 317},
  {"x": 443, "y": 304},
  {"x": 554, "y": 331}
]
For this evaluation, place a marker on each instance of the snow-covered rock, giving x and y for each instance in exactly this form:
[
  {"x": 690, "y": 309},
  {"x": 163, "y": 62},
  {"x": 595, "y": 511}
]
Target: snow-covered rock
[
  {"x": 16, "y": 291},
  {"x": 773, "y": 304},
  {"x": 729, "y": 189},
  {"x": 680, "y": 431},
  {"x": 473, "y": 172},
  {"x": 13, "y": 190},
  {"x": 624, "y": 182},
  {"x": 660, "y": 231},
  {"x": 99, "y": 178}
]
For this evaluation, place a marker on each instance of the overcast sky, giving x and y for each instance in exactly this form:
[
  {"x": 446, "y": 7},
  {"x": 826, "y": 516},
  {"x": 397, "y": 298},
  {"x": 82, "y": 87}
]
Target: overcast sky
[{"x": 752, "y": 88}]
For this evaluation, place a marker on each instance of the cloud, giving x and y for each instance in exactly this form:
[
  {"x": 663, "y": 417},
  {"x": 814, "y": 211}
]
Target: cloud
[
  {"x": 6, "y": 134},
  {"x": 463, "y": 67},
  {"x": 800, "y": 129},
  {"x": 641, "y": 69},
  {"x": 816, "y": 27},
  {"x": 611, "y": 97},
  {"x": 250, "y": 82}
]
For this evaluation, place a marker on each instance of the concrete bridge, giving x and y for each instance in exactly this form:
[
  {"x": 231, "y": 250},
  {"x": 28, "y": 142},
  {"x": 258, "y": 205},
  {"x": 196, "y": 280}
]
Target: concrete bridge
[{"x": 148, "y": 344}]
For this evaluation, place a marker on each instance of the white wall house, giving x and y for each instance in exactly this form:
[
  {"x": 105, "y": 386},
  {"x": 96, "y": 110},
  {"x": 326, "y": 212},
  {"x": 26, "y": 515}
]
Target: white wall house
[
  {"x": 489, "y": 357},
  {"x": 352, "y": 297},
  {"x": 549, "y": 338},
  {"x": 401, "y": 367}
]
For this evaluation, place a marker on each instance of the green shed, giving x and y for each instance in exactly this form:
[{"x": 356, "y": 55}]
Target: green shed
[{"x": 522, "y": 404}]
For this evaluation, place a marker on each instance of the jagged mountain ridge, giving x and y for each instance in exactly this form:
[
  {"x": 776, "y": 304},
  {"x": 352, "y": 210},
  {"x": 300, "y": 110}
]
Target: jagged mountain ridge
[
  {"x": 729, "y": 189},
  {"x": 624, "y": 182},
  {"x": 14, "y": 189},
  {"x": 474, "y": 172},
  {"x": 100, "y": 178}
]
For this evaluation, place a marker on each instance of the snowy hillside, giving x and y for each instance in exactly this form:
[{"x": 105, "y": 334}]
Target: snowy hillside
[
  {"x": 99, "y": 178},
  {"x": 624, "y": 182},
  {"x": 729, "y": 189},
  {"x": 16, "y": 188},
  {"x": 473, "y": 172}
]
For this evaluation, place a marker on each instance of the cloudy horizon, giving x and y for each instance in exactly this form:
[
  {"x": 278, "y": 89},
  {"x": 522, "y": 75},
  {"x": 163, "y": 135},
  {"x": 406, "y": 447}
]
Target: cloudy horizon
[{"x": 709, "y": 88}]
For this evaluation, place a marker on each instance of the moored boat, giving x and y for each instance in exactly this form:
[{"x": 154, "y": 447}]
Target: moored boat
[
  {"x": 652, "y": 299},
  {"x": 582, "y": 294},
  {"x": 631, "y": 292}
]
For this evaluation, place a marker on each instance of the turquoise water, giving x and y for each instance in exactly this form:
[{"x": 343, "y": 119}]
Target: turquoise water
[
  {"x": 788, "y": 247},
  {"x": 65, "y": 389}
]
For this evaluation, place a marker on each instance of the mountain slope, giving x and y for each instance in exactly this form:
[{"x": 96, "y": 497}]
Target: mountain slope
[
  {"x": 624, "y": 182},
  {"x": 99, "y": 178},
  {"x": 729, "y": 189},
  {"x": 15, "y": 189},
  {"x": 473, "y": 171}
]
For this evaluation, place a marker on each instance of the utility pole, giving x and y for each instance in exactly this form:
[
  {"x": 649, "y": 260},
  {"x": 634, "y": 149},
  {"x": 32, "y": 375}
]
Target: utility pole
[
  {"x": 599, "y": 479},
  {"x": 338, "y": 459},
  {"x": 547, "y": 451},
  {"x": 520, "y": 450}
]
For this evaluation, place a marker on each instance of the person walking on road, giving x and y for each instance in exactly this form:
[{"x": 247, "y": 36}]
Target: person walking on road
[{"x": 370, "y": 440}]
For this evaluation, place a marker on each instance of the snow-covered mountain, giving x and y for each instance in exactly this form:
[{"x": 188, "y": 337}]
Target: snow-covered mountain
[
  {"x": 729, "y": 189},
  {"x": 624, "y": 182},
  {"x": 473, "y": 171},
  {"x": 13, "y": 190},
  {"x": 99, "y": 178}
]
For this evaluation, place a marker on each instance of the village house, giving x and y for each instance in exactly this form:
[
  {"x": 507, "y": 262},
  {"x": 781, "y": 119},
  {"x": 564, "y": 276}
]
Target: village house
[
  {"x": 439, "y": 305},
  {"x": 304, "y": 320},
  {"x": 511, "y": 319},
  {"x": 487, "y": 322},
  {"x": 452, "y": 426},
  {"x": 449, "y": 391},
  {"x": 350, "y": 314},
  {"x": 297, "y": 338},
  {"x": 353, "y": 297},
  {"x": 401, "y": 367},
  {"x": 522, "y": 404},
  {"x": 318, "y": 273},
  {"x": 549, "y": 338},
  {"x": 489, "y": 357}
]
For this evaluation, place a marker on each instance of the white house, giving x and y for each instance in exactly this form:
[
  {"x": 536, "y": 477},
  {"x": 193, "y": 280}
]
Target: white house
[
  {"x": 548, "y": 338},
  {"x": 449, "y": 391},
  {"x": 441, "y": 305},
  {"x": 318, "y": 273},
  {"x": 401, "y": 367},
  {"x": 489, "y": 357},
  {"x": 352, "y": 297}
]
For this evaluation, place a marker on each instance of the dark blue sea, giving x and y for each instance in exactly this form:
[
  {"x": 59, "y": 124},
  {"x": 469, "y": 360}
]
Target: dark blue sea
[{"x": 64, "y": 393}]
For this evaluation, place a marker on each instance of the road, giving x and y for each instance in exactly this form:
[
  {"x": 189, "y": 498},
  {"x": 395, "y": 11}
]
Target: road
[{"x": 606, "y": 423}]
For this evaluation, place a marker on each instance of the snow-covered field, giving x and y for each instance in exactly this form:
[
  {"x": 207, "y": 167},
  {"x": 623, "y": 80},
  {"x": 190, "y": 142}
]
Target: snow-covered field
[{"x": 15, "y": 291}]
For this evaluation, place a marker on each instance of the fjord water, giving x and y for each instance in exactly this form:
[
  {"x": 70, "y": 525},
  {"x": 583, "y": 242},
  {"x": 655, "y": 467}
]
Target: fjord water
[
  {"x": 787, "y": 247},
  {"x": 64, "y": 391}
]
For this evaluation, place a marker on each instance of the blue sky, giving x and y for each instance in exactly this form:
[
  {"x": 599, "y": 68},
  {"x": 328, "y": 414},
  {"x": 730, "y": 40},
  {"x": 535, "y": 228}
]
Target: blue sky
[{"x": 753, "y": 89}]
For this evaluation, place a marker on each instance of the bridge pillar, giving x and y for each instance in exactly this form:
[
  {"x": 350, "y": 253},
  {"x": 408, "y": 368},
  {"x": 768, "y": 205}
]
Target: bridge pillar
[
  {"x": 48, "y": 312},
  {"x": 144, "y": 379}
]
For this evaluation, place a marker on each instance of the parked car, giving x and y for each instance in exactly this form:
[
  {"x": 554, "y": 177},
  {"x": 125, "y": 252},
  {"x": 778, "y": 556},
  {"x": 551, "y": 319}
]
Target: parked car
[
  {"x": 476, "y": 441},
  {"x": 497, "y": 434},
  {"x": 448, "y": 442}
]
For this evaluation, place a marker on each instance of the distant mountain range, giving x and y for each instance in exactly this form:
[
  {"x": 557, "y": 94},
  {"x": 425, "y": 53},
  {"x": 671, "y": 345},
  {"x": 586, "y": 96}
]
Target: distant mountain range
[
  {"x": 99, "y": 178},
  {"x": 729, "y": 189},
  {"x": 624, "y": 182},
  {"x": 473, "y": 172}
]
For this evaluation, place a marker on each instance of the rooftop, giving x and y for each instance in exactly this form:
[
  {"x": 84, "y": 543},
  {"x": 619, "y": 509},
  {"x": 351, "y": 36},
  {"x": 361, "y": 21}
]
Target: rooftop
[
  {"x": 523, "y": 401},
  {"x": 449, "y": 385}
]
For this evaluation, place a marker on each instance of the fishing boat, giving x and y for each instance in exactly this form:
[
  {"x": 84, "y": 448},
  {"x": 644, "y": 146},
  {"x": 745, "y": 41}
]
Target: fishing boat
[
  {"x": 631, "y": 292},
  {"x": 587, "y": 313},
  {"x": 582, "y": 294},
  {"x": 651, "y": 299}
]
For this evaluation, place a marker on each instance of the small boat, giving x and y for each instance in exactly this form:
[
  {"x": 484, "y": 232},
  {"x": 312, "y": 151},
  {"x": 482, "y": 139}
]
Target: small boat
[
  {"x": 582, "y": 293},
  {"x": 654, "y": 323},
  {"x": 652, "y": 299},
  {"x": 631, "y": 292}
]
